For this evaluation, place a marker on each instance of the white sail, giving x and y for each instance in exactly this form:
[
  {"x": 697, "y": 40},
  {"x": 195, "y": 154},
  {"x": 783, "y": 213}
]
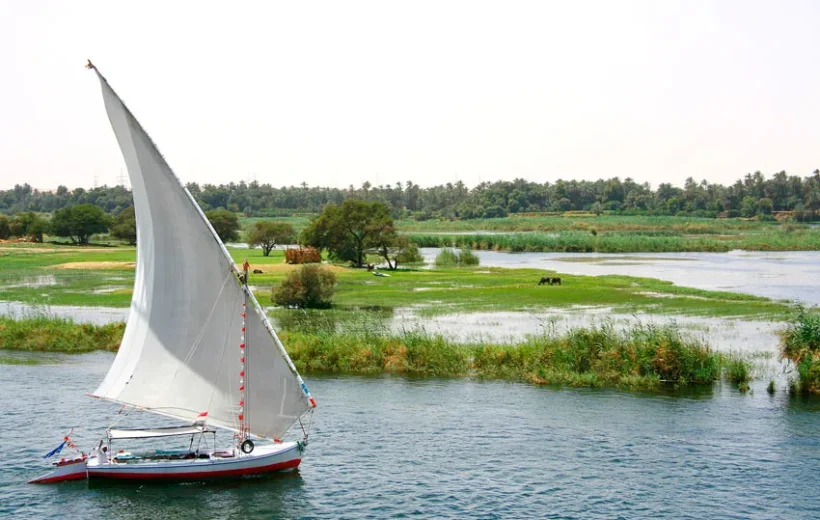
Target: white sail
[{"x": 180, "y": 354}]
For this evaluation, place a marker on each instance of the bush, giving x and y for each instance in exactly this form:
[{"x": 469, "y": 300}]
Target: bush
[
  {"x": 800, "y": 344},
  {"x": 467, "y": 257},
  {"x": 447, "y": 258},
  {"x": 310, "y": 287},
  {"x": 410, "y": 255}
]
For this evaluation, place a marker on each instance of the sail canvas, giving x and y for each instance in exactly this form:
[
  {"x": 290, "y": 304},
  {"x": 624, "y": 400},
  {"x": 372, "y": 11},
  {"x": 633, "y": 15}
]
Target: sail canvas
[{"x": 180, "y": 354}]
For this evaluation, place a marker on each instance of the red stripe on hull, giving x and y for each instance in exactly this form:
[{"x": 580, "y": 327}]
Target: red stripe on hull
[
  {"x": 194, "y": 475},
  {"x": 61, "y": 478}
]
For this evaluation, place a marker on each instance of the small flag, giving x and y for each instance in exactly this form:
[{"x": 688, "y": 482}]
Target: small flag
[
  {"x": 203, "y": 414},
  {"x": 55, "y": 451}
]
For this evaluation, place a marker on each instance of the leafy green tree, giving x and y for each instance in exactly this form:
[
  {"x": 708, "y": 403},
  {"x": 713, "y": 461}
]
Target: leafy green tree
[
  {"x": 596, "y": 208},
  {"x": 5, "y": 230},
  {"x": 765, "y": 206},
  {"x": 310, "y": 287},
  {"x": 395, "y": 249},
  {"x": 225, "y": 223},
  {"x": 79, "y": 222},
  {"x": 748, "y": 206},
  {"x": 347, "y": 230},
  {"x": 268, "y": 234},
  {"x": 409, "y": 254},
  {"x": 124, "y": 226}
]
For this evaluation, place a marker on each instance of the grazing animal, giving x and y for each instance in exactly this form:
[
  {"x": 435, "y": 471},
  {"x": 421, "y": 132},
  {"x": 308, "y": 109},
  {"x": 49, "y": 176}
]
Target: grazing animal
[
  {"x": 555, "y": 281},
  {"x": 545, "y": 280},
  {"x": 257, "y": 271}
]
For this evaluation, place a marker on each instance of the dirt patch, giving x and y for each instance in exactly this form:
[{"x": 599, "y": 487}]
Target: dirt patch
[
  {"x": 94, "y": 265},
  {"x": 286, "y": 268}
]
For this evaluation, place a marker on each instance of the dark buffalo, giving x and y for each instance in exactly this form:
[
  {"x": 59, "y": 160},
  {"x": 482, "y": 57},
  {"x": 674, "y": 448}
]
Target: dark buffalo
[
  {"x": 555, "y": 281},
  {"x": 550, "y": 280},
  {"x": 257, "y": 271},
  {"x": 544, "y": 280}
]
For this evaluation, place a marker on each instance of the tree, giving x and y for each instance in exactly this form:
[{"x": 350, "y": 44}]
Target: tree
[
  {"x": 596, "y": 208},
  {"x": 346, "y": 231},
  {"x": 225, "y": 223},
  {"x": 28, "y": 224},
  {"x": 125, "y": 226},
  {"x": 5, "y": 231},
  {"x": 268, "y": 234},
  {"x": 395, "y": 249},
  {"x": 79, "y": 222},
  {"x": 310, "y": 287}
]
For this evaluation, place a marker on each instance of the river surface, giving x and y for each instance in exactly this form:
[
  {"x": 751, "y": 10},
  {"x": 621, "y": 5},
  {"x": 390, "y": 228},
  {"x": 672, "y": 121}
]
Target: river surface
[
  {"x": 392, "y": 447},
  {"x": 782, "y": 275}
]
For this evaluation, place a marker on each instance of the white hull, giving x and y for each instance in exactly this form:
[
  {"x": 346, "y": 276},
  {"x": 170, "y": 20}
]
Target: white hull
[
  {"x": 263, "y": 459},
  {"x": 63, "y": 470}
]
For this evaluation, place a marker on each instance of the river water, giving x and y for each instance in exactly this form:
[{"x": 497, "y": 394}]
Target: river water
[{"x": 391, "y": 447}]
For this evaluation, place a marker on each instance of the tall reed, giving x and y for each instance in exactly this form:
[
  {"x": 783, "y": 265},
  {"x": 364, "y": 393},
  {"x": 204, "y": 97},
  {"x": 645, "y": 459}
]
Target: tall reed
[{"x": 800, "y": 344}]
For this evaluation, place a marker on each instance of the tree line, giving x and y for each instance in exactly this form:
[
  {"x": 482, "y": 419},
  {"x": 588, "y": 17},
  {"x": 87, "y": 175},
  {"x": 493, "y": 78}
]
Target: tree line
[{"x": 752, "y": 195}]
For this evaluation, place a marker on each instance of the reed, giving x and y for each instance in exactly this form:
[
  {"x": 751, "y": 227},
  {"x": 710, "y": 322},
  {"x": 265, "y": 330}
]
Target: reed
[
  {"x": 49, "y": 334},
  {"x": 800, "y": 344},
  {"x": 645, "y": 357},
  {"x": 574, "y": 242}
]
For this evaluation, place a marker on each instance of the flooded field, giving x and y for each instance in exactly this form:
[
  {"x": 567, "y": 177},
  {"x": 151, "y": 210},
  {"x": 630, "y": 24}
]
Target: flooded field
[{"x": 785, "y": 275}]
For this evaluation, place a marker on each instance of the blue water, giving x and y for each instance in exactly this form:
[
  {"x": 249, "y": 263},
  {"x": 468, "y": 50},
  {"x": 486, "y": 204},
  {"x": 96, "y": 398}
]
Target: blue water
[{"x": 397, "y": 447}]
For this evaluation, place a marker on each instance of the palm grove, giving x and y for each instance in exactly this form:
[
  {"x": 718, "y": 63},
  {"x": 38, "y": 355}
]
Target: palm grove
[{"x": 752, "y": 195}]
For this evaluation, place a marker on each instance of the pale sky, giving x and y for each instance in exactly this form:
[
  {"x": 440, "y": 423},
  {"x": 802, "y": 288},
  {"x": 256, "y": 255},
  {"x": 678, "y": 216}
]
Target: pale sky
[{"x": 338, "y": 93}]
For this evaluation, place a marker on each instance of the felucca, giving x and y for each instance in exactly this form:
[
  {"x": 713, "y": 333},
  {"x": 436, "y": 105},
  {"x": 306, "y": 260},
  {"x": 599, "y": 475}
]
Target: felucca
[{"x": 197, "y": 345}]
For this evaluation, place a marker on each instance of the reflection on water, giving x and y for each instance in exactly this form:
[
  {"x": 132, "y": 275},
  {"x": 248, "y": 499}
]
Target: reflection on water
[{"x": 782, "y": 275}]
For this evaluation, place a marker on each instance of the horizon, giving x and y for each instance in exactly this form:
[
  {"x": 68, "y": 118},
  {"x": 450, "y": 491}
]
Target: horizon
[{"x": 337, "y": 95}]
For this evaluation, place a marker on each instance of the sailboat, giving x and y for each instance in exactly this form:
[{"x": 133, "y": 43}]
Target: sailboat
[{"x": 197, "y": 346}]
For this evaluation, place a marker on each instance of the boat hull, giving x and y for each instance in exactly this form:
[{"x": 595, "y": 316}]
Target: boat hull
[
  {"x": 70, "y": 470},
  {"x": 264, "y": 459}
]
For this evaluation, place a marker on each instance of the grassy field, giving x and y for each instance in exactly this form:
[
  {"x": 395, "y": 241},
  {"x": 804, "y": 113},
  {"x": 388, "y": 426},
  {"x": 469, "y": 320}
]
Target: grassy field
[{"x": 103, "y": 276}]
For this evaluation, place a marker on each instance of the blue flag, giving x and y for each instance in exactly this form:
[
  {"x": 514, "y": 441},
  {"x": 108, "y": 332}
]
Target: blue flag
[{"x": 55, "y": 451}]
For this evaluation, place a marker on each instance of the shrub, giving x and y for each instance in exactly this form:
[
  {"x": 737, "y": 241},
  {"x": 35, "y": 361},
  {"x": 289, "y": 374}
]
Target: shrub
[
  {"x": 800, "y": 344},
  {"x": 410, "y": 255},
  {"x": 467, "y": 257},
  {"x": 310, "y": 287},
  {"x": 447, "y": 258}
]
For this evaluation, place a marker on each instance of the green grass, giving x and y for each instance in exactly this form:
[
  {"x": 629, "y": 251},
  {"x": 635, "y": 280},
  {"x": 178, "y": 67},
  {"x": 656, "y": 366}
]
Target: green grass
[
  {"x": 436, "y": 291},
  {"x": 587, "y": 222},
  {"x": 613, "y": 234}
]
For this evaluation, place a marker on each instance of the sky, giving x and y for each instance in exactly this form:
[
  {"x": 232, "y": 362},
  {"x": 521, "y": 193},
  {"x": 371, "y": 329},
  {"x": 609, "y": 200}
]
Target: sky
[{"x": 339, "y": 93}]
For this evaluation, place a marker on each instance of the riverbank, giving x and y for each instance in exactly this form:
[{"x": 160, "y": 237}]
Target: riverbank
[{"x": 645, "y": 357}]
